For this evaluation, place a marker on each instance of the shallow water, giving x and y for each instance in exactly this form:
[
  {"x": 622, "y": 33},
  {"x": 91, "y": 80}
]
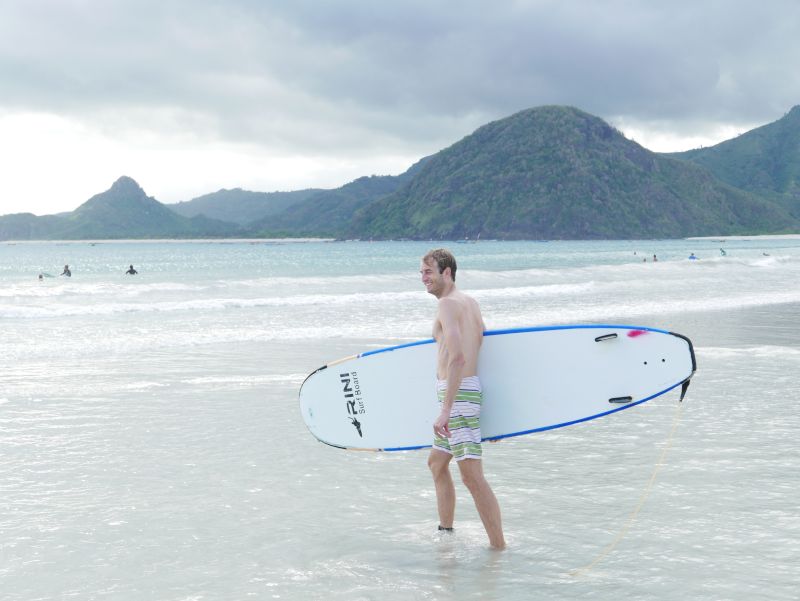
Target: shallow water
[{"x": 151, "y": 446}]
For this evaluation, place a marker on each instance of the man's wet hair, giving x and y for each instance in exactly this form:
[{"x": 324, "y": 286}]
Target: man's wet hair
[{"x": 443, "y": 258}]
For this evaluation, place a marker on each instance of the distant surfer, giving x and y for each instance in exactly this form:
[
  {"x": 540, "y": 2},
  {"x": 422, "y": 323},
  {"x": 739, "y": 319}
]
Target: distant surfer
[
  {"x": 458, "y": 330},
  {"x": 655, "y": 258},
  {"x": 66, "y": 271},
  {"x": 722, "y": 252},
  {"x": 131, "y": 271},
  {"x": 692, "y": 257}
]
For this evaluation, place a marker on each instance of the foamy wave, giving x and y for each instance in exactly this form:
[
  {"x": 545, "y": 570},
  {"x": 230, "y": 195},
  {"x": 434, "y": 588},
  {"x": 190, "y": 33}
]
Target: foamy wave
[
  {"x": 770, "y": 261},
  {"x": 250, "y": 380},
  {"x": 534, "y": 291},
  {"x": 764, "y": 351},
  {"x": 584, "y": 300},
  {"x": 627, "y": 269},
  {"x": 535, "y": 278},
  {"x": 143, "y": 385},
  {"x": 217, "y": 304},
  {"x": 213, "y": 304},
  {"x": 43, "y": 291},
  {"x": 620, "y": 308},
  {"x": 320, "y": 282}
]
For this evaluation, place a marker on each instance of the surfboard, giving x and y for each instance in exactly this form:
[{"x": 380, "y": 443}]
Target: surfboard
[{"x": 533, "y": 379}]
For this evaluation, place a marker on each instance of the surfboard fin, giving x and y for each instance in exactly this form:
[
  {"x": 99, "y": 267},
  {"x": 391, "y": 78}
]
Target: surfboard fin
[{"x": 684, "y": 388}]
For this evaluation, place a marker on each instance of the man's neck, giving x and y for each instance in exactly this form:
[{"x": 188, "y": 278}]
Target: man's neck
[{"x": 447, "y": 290}]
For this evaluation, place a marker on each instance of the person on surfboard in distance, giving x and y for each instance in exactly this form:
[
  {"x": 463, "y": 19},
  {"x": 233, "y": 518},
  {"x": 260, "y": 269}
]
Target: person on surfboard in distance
[{"x": 458, "y": 330}]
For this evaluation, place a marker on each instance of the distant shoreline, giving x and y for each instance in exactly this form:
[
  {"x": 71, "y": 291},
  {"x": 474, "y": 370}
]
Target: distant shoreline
[
  {"x": 745, "y": 238},
  {"x": 174, "y": 241},
  {"x": 721, "y": 238}
]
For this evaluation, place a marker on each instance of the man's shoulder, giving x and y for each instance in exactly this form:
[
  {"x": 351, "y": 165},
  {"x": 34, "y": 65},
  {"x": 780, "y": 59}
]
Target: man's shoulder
[
  {"x": 457, "y": 303},
  {"x": 453, "y": 301}
]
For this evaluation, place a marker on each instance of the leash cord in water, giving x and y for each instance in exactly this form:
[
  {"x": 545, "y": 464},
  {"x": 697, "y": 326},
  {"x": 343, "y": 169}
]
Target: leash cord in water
[{"x": 646, "y": 493}]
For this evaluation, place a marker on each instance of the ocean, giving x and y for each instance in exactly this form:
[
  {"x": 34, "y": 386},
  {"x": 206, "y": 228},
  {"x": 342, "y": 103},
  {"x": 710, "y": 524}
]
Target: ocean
[{"x": 151, "y": 445}]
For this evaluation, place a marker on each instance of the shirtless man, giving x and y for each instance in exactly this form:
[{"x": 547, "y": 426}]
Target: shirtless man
[{"x": 458, "y": 330}]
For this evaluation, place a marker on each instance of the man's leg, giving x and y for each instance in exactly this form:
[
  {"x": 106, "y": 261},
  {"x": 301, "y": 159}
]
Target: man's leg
[
  {"x": 485, "y": 501},
  {"x": 439, "y": 462}
]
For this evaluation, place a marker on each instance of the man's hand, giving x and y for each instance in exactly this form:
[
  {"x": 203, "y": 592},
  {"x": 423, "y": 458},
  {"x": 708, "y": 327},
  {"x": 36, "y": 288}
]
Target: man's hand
[{"x": 441, "y": 427}]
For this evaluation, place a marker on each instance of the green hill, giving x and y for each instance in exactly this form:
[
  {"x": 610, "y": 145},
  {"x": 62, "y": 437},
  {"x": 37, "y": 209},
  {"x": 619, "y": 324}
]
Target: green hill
[
  {"x": 27, "y": 226},
  {"x": 557, "y": 172},
  {"x": 765, "y": 160},
  {"x": 123, "y": 211},
  {"x": 551, "y": 172},
  {"x": 329, "y": 212},
  {"x": 241, "y": 206}
]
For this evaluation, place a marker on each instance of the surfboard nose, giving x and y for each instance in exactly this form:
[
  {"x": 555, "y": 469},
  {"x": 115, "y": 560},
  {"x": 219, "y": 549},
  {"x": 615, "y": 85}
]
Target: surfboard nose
[{"x": 687, "y": 381}]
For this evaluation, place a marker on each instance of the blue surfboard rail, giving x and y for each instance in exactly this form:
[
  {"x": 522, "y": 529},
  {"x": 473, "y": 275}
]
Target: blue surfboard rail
[
  {"x": 522, "y": 331},
  {"x": 552, "y": 426}
]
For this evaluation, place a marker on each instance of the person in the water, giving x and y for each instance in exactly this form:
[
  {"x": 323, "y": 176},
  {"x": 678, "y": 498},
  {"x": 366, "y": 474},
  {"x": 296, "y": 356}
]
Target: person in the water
[
  {"x": 66, "y": 271},
  {"x": 458, "y": 330},
  {"x": 131, "y": 271}
]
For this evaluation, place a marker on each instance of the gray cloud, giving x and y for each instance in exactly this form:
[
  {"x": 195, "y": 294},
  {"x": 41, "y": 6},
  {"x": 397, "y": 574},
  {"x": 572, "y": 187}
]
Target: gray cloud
[{"x": 405, "y": 77}]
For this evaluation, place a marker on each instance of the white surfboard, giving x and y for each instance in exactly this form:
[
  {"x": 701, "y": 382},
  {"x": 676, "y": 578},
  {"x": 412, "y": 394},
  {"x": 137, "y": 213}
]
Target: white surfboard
[{"x": 533, "y": 379}]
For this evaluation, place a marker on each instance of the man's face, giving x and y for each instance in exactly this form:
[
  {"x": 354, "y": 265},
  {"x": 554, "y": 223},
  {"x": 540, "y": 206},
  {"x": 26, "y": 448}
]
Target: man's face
[{"x": 431, "y": 277}]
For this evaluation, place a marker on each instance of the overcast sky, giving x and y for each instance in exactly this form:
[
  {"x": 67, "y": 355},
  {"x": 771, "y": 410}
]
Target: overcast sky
[{"x": 188, "y": 97}]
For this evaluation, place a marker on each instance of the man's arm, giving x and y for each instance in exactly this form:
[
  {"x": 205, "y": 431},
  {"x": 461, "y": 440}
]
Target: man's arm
[{"x": 449, "y": 313}]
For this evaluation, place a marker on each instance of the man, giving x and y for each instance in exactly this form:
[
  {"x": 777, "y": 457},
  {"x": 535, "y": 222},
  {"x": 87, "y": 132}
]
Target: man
[
  {"x": 458, "y": 330},
  {"x": 131, "y": 271}
]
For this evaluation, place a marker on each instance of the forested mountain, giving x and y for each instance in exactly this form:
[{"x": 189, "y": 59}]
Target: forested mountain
[
  {"x": 558, "y": 172},
  {"x": 122, "y": 211},
  {"x": 330, "y": 212},
  {"x": 241, "y": 206},
  {"x": 765, "y": 161},
  {"x": 551, "y": 172}
]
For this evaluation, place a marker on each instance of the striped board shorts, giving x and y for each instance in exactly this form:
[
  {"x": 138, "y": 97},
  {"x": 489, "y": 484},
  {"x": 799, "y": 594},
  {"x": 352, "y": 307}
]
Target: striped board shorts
[{"x": 465, "y": 426}]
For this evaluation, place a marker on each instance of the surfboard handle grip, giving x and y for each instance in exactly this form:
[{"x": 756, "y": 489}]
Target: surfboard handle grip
[
  {"x": 605, "y": 337},
  {"x": 621, "y": 399}
]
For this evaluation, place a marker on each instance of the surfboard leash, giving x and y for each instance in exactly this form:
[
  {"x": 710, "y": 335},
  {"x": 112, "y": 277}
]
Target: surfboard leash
[{"x": 645, "y": 494}]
